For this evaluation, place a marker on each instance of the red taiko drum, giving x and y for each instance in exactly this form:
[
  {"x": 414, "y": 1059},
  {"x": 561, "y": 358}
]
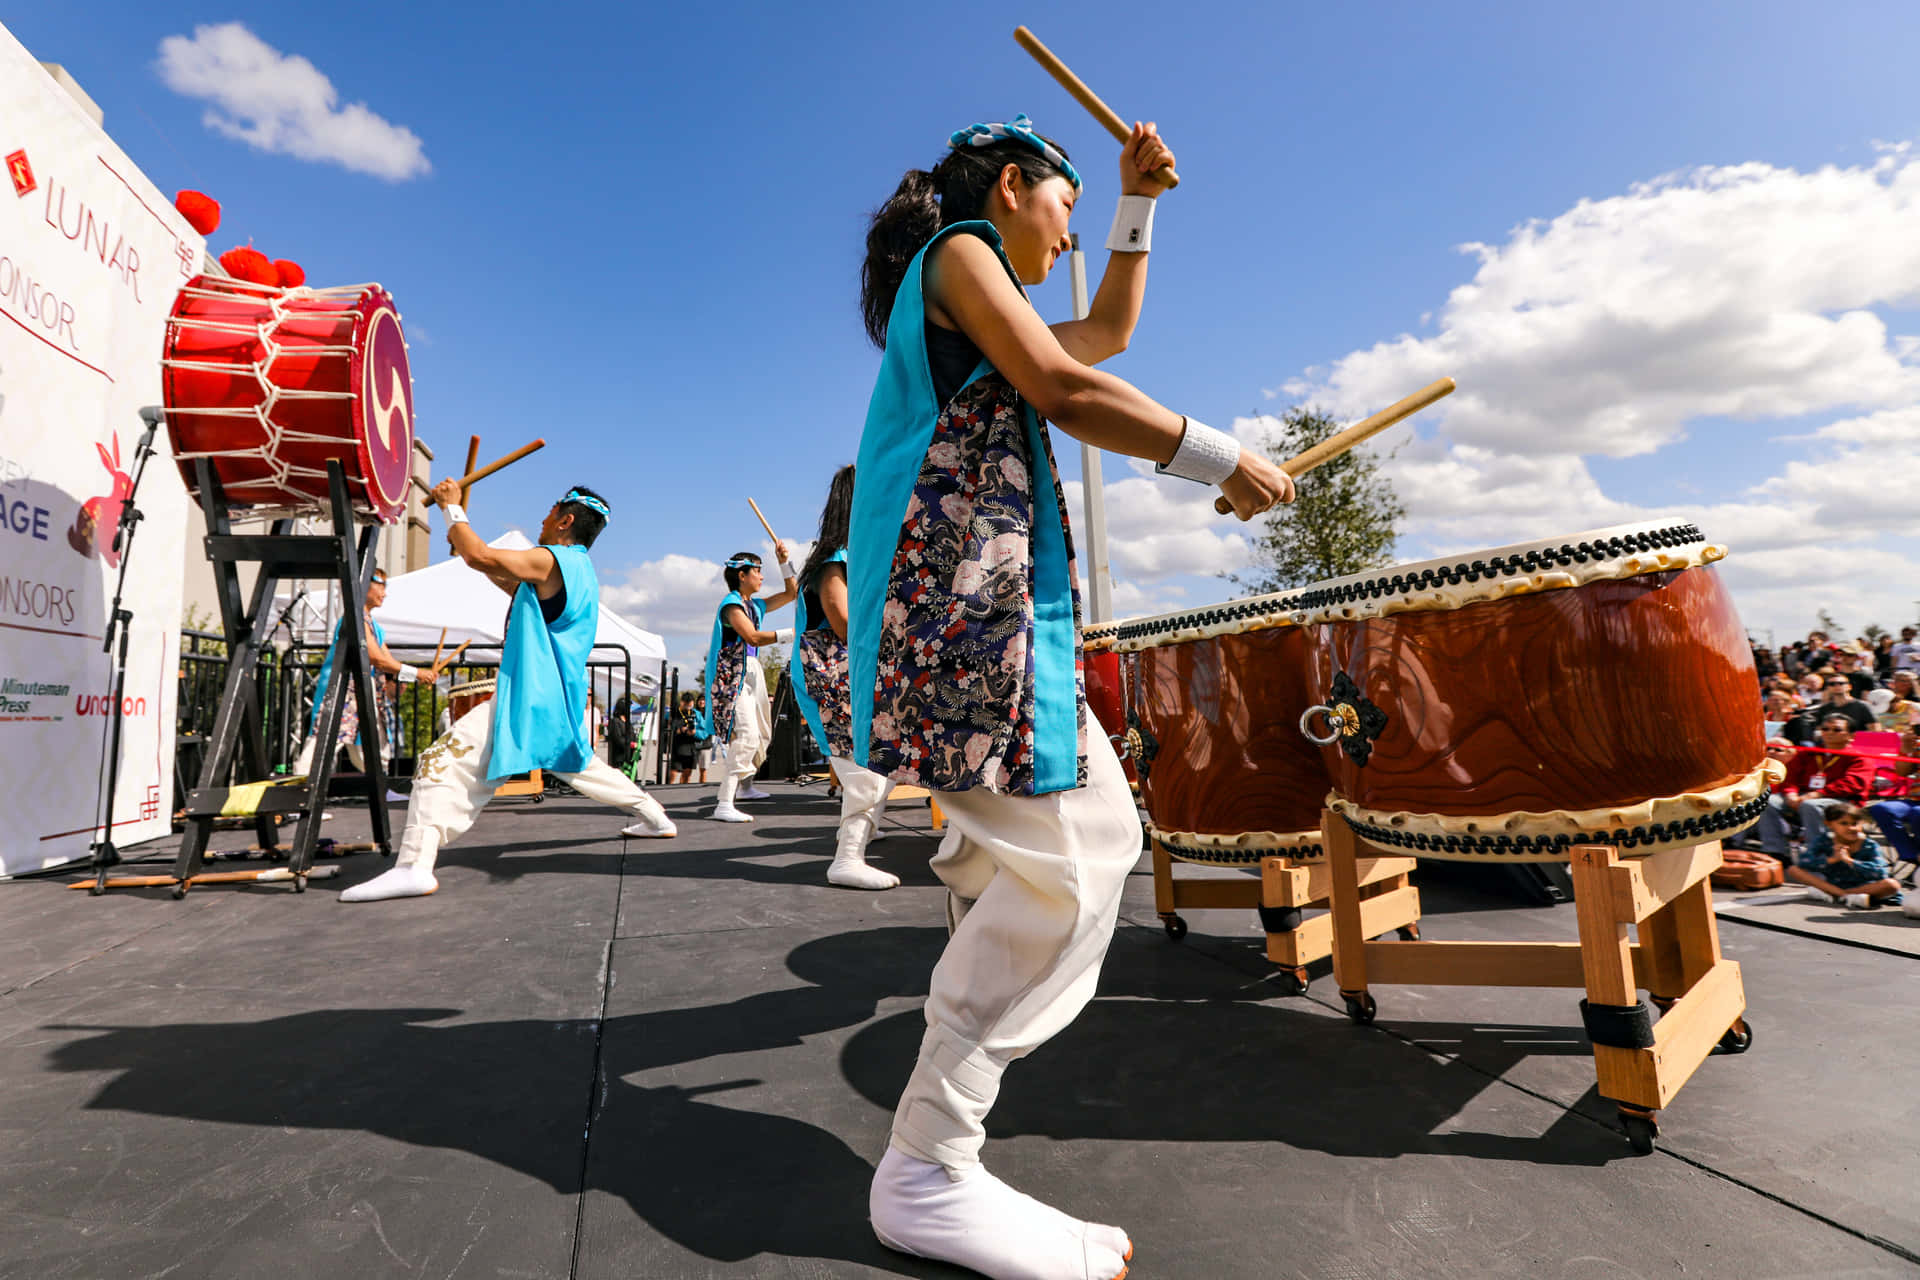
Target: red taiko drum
[
  {"x": 1214, "y": 700},
  {"x": 1106, "y": 694},
  {"x": 271, "y": 384},
  {"x": 462, "y": 698},
  {"x": 1595, "y": 689}
]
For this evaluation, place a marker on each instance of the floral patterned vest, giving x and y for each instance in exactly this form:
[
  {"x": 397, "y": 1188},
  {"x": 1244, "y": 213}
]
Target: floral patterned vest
[{"x": 964, "y": 619}]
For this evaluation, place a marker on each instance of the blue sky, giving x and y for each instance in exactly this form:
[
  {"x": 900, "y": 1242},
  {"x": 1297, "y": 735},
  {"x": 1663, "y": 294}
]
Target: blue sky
[{"x": 637, "y": 234}]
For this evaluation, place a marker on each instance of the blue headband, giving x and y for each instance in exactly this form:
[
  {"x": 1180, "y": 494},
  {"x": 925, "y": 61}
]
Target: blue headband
[
  {"x": 743, "y": 562},
  {"x": 588, "y": 501},
  {"x": 1020, "y": 129}
]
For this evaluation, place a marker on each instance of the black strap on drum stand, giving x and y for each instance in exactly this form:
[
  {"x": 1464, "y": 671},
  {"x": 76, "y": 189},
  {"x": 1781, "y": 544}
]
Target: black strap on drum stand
[
  {"x": 338, "y": 557},
  {"x": 119, "y": 627}
]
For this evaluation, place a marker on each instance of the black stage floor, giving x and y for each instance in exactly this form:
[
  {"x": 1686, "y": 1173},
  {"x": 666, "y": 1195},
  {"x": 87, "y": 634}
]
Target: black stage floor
[{"x": 681, "y": 1062}]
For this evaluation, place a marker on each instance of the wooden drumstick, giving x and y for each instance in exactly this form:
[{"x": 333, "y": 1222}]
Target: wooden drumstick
[
  {"x": 1086, "y": 97},
  {"x": 771, "y": 535},
  {"x": 441, "y": 646},
  {"x": 1360, "y": 432},
  {"x": 473, "y": 460},
  {"x": 467, "y": 481}
]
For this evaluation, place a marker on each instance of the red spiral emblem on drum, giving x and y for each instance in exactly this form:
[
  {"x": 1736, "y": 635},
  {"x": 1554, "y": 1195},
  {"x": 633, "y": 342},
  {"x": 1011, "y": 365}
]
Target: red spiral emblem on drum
[{"x": 386, "y": 391}]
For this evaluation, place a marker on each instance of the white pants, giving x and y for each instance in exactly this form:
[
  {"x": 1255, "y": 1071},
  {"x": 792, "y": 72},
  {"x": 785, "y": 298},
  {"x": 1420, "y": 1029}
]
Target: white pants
[
  {"x": 450, "y": 788},
  {"x": 863, "y": 800},
  {"x": 752, "y": 731},
  {"x": 1046, "y": 874}
]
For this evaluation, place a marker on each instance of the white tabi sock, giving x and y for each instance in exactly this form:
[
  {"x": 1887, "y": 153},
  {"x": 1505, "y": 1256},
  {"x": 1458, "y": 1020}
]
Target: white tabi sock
[
  {"x": 646, "y": 828},
  {"x": 849, "y": 869},
  {"x": 974, "y": 1220},
  {"x": 395, "y": 882}
]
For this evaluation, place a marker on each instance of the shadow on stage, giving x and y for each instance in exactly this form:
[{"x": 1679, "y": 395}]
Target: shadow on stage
[{"x": 1172, "y": 1051}]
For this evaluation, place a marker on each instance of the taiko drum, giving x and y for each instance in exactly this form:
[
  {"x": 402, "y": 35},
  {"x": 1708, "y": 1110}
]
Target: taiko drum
[
  {"x": 269, "y": 385},
  {"x": 1511, "y": 704},
  {"x": 1213, "y": 705},
  {"x": 462, "y": 698}
]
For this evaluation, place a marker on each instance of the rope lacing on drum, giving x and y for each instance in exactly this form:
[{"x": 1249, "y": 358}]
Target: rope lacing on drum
[
  {"x": 269, "y": 451},
  {"x": 1537, "y": 560}
]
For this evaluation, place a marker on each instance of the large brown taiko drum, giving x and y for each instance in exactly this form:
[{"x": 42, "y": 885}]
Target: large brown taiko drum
[
  {"x": 1214, "y": 700},
  {"x": 1510, "y": 704}
]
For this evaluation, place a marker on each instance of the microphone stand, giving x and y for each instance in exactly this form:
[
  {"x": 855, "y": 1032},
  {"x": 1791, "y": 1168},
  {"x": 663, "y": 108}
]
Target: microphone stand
[{"x": 119, "y": 628}]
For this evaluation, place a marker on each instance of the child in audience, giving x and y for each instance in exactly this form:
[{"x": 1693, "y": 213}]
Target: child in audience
[{"x": 1843, "y": 865}]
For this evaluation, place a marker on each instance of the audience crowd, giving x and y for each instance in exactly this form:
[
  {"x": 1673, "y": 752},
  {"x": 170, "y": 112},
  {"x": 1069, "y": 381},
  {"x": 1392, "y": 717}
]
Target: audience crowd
[{"x": 1844, "y": 719}]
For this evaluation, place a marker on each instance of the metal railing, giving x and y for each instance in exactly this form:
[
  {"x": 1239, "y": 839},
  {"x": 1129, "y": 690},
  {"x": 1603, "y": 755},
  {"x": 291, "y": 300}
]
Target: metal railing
[{"x": 286, "y": 679}]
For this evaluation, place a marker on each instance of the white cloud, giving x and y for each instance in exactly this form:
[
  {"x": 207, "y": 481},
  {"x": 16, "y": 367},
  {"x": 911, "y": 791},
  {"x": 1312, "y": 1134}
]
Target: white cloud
[
  {"x": 1743, "y": 291},
  {"x": 675, "y": 594},
  {"x": 1746, "y": 293},
  {"x": 283, "y": 103}
]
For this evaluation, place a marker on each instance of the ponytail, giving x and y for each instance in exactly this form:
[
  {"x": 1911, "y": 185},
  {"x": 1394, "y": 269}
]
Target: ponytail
[
  {"x": 900, "y": 228},
  {"x": 955, "y": 190}
]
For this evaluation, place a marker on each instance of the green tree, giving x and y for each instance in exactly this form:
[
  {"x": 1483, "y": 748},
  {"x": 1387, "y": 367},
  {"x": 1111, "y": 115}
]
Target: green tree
[
  {"x": 1833, "y": 629},
  {"x": 1345, "y": 519}
]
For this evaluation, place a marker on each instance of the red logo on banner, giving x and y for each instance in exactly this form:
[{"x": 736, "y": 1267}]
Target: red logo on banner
[{"x": 21, "y": 172}]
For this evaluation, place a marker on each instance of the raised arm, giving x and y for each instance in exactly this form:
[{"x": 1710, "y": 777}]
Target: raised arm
[
  {"x": 969, "y": 286},
  {"x": 506, "y": 567},
  {"x": 790, "y": 586},
  {"x": 1115, "y": 308}
]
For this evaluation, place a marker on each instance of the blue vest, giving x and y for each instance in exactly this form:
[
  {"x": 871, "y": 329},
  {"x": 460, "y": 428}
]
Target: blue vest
[
  {"x": 540, "y": 695},
  {"x": 326, "y": 667},
  {"x": 901, "y": 418},
  {"x": 756, "y": 610},
  {"x": 809, "y": 705}
]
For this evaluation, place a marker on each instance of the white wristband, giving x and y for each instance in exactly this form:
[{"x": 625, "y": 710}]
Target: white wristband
[
  {"x": 456, "y": 514},
  {"x": 787, "y": 570},
  {"x": 1205, "y": 454},
  {"x": 1132, "y": 225},
  {"x": 783, "y": 636},
  {"x": 409, "y": 675}
]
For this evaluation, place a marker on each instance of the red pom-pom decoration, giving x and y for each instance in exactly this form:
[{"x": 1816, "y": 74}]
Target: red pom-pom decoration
[
  {"x": 201, "y": 211},
  {"x": 251, "y": 265},
  {"x": 292, "y": 274}
]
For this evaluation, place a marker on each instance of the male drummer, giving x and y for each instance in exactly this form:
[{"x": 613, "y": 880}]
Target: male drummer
[{"x": 538, "y": 716}]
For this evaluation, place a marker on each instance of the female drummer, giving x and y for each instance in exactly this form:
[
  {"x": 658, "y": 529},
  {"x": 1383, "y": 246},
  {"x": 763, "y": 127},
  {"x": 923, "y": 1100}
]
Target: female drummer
[
  {"x": 737, "y": 712},
  {"x": 963, "y": 645},
  {"x": 381, "y": 659},
  {"x": 819, "y": 673}
]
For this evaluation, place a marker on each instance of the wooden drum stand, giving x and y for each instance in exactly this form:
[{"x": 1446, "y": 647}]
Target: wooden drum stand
[
  {"x": 1386, "y": 903},
  {"x": 1641, "y": 1063}
]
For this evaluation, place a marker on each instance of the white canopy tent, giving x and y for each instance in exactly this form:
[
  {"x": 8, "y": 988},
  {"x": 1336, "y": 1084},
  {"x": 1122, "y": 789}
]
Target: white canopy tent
[{"x": 471, "y": 608}]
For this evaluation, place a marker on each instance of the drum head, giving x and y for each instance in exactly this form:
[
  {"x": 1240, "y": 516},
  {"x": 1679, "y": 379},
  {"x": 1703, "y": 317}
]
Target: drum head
[{"x": 383, "y": 411}]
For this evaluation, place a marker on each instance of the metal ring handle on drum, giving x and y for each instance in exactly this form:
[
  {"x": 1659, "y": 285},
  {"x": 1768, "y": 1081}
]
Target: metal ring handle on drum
[{"x": 1335, "y": 724}]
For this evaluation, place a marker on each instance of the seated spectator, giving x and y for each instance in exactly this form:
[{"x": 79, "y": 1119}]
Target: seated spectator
[
  {"x": 1842, "y": 865},
  {"x": 1906, "y": 651},
  {"x": 1903, "y": 707},
  {"x": 1813, "y": 683},
  {"x": 1836, "y": 699},
  {"x": 1765, "y": 665},
  {"x": 1816, "y": 781},
  {"x": 1899, "y": 818},
  {"x": 1882, "y": 659},
  {"x": 1847, "y": 663},
  {"x": 1776, "y": 709}
]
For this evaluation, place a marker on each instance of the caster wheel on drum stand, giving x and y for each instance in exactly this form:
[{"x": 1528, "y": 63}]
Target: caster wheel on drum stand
[
  {"x": 179, "y": 891},
  {"x": 1641, "y": 1129},
  {"x": 1292, "y": 982},
  {"x": 299, "y": 884},
  {"x": 1408, "y": 933},
  {"x": 1738, "y": 1038},
  {"x": 1176, "y": 927},
  {"x": 1361, "y": 1008}
]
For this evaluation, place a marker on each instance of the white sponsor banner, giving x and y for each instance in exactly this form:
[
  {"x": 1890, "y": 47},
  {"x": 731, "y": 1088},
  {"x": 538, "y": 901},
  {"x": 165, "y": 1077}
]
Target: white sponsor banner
[{"x": 91, "y": 257}]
